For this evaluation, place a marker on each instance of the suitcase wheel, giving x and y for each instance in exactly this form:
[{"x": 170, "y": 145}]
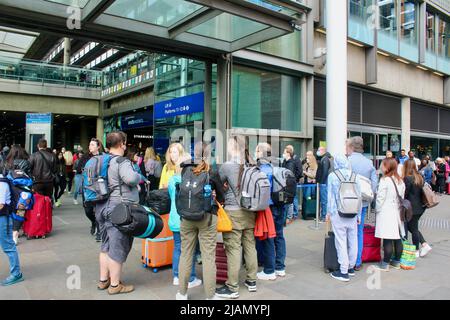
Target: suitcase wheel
[
  {"x": 155, "y": 270},
  {"x": 144, "y": 266}
]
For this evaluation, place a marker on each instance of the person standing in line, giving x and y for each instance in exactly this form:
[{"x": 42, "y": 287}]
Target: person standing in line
[
  {"x": 133, "y": 155},
  {"x": 411, "y": 156},
  {"x": 325, "y": 167},
  {"x": 364, "y": 167},
  {"x": 174, "y": 156},
  {"x": 43, "y": 169},
  {"x": 153, "y": 167},
  {"x": 389, "y": 154},
  {"x": 78, "y": 177},
  {"x": 241, "y": 238},
  {"x": 274, "y": 249},
  {"x": 310, "y": 170},
  {"x": 414, "y": 183},
  {"x": 389, "y": 226},
  {"x": 6, "y": 231},
  {"x": 440, "y": 176},
  {"x": 447, "y": 173},
  {"x": 345, "y": 228},
  {"x": 116, "y": 245},
  {"x": 60, "y": 181},
  {"x": 403, "y": 157},
  {"x": 292, "y": 163},
  {"x": 426, "y": 171},
  {"x": 95, "y": 149}
]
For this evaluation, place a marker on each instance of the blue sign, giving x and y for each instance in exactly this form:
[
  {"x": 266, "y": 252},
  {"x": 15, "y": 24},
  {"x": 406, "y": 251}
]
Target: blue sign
[
  {"x": 137, "y": 120},
  {"x": 180, "y": 106},
  {"x": 39, "y": 118}
]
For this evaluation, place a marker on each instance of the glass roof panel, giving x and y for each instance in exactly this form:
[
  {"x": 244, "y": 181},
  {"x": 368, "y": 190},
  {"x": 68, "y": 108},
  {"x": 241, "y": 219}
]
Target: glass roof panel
[
  {"x": 160, "y": 12},
  {"x": 13, "y": 44},
  {"x": 75, "y": 3},
  {"x": 228, "y": 27},
  {"x": 269, "y": 5}
]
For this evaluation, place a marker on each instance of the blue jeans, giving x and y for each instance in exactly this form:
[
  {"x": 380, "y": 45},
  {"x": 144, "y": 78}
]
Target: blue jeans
[
  {"x": 274, "y": 250},
  {"x": 323, "y": 201},
  {"x": 78, "y": 182},
  {"x": 361, "y": 236},
  {"x": 176, "y": 257},
  {"x": 295, "y": 204},
  {"x": 8, "y": 245}
]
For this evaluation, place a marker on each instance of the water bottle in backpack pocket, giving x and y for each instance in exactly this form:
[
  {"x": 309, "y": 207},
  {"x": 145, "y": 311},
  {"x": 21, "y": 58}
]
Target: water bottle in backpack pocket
[{"x": 95, "y": 179}]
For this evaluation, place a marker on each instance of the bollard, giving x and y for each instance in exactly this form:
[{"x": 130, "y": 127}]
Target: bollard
[{"x": 316, "y": 223}]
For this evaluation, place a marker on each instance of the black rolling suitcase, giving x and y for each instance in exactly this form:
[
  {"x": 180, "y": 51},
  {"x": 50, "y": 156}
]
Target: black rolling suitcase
[
  {"x": 330, "y": 258},
  {"x": 309, "y": 203}
]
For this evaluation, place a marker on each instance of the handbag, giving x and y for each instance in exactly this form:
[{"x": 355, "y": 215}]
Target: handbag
[
  {"x": 429, "y": 198},
  {"x": 223, "y": 220},
  {"x": 408, "y": 258},
  {"x": 405, "y": 206}
]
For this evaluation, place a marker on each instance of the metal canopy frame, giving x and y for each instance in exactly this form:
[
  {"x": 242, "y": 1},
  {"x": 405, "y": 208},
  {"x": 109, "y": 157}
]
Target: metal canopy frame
[{"x": 51, "y": 17}]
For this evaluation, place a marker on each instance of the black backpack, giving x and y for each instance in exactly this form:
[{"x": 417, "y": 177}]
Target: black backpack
[{"x": 191, "y": 199}]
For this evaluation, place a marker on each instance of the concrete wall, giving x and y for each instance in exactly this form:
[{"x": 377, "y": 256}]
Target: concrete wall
[
  {"x": 59, "y": 105},
  {"x": 393, "y": 76}
]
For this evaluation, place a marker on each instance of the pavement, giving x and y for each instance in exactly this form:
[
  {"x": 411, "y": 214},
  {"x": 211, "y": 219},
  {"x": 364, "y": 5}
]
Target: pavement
[{"x": 64, "y": 266}]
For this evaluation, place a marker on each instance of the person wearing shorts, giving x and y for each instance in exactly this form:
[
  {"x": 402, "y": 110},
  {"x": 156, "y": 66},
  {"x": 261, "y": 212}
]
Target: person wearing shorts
[{"x": 122, "y": 181}]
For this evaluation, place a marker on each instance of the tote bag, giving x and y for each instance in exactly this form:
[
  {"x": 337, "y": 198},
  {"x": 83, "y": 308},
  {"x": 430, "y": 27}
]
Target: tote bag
[{"x": 223, "y": 220}]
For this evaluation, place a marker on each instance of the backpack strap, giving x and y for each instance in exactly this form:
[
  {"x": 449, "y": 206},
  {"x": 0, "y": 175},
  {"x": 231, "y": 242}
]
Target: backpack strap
[
  {"x": 353, "y": 177},
  {"x": 339, "y": 175}
]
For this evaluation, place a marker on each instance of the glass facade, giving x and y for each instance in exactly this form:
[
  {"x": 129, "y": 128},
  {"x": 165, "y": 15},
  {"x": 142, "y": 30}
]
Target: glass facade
[
  {"x": 288, "y": 46},
  {"x": 388, "y": 32},
  {"x": 430, "y": 45},
  {"x": 423, "y": 146},
  {"x": 443, "y": 47},
  {"x": 358, "y": 18},
  {"x": 409, "y": 47},
  {"x": 265, "y": 100},
  {"x": 444, "y": 146}
]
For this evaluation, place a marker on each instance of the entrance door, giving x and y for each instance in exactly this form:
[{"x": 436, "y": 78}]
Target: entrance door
[{"x": 34, "y": 140}]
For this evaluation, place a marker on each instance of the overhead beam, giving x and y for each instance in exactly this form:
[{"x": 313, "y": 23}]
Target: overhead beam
[
  {"x": 18, "y": 31},
  {"x": 11, "y": 49},
  {"x": 193, "y": 20},
  {"x": 41, "y": 46},
  {"x": 93, "y": 9},
  {"x": 250, "y": 11}
]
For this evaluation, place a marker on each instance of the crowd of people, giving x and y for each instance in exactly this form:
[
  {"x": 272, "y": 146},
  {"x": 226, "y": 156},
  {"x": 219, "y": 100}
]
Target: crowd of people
[{"x": 131, "y": 175}]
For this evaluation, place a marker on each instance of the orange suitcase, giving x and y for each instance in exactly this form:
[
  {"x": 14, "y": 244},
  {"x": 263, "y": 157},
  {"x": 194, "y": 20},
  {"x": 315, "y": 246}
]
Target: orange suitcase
[{"x": 158, "y": 252}]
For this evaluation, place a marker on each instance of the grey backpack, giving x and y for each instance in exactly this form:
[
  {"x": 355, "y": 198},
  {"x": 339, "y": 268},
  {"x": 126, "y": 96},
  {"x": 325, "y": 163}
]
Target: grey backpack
[
  {"x": 349, "y": 198},
  {"x": 254, "y": 190}
]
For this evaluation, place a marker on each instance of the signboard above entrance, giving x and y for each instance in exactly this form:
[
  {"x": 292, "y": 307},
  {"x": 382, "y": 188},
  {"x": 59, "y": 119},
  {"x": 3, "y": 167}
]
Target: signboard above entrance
[
  {"x": 39, "y": 118},
  {"x": 180, "y": 106}
]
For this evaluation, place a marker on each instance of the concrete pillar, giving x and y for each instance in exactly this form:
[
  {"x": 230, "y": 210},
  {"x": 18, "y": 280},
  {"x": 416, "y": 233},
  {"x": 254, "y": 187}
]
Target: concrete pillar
[
  {"x": 336, "y": 76},
  {"x": 406, "y": 124},
  {"x": 208, "y": 96},
  {"x": 223, "y": 104},
  {"x": 447, "y": 91},
  {"x": 67, "y": 51},
  {"x": 100, "y": 129},
  {"x": 84, "y": 138}
]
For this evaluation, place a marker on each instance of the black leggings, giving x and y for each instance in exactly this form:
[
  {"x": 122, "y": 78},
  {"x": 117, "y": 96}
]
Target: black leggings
[
  {"x": 388, "y": 246},
  {"x": 413, "y": 227},
  {"x": 59, "y": 187},
  {"x": 70, "y": 176}
]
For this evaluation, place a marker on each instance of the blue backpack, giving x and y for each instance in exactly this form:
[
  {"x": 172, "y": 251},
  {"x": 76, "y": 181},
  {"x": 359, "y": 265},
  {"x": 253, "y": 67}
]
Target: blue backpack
[
  {"x": 20, "y": 185},
  {"x": 95, "y": 179}
]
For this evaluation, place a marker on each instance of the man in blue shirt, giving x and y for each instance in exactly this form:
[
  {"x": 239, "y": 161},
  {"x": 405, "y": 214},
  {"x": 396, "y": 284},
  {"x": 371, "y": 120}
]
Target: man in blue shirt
[
  {"x": 6, "y": 232},
  {"x": 403, "y": 157},
  {"x": 274, "y": 249},
  {"x": 364, "y": 167}
]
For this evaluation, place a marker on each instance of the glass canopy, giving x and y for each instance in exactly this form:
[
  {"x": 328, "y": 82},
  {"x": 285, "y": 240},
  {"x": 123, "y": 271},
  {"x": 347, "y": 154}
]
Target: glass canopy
[
  {"x": 183, "y": 25},
  {"x": 14, "y": 42}
]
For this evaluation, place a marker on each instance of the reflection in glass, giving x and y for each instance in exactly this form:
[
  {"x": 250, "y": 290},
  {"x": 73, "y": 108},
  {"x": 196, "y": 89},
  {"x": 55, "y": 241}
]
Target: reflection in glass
[
  {"x": 387, "y": 35},
  {"x": 409, "y": 31},
  {"x": 358, "y": 18},
  {"x": 443, "y": 52},
  {"x": 287, "y": 46}
]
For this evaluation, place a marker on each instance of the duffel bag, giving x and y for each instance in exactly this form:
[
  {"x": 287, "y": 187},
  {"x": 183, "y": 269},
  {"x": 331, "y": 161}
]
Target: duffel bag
[
  {"x": 136, "y": 220},
  {"x": 158, "y": 201}
]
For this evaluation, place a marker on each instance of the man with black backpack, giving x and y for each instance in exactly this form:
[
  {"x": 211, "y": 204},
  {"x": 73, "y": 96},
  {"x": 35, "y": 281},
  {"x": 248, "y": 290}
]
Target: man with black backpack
[
  {"x": 6, "y": 231},
  {"x": 43, "y": 169},
  {"x": 122, "y": 182}
]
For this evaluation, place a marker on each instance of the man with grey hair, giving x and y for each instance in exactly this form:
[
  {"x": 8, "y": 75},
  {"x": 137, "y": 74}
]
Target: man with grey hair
[{"x": 364, "y": 167}]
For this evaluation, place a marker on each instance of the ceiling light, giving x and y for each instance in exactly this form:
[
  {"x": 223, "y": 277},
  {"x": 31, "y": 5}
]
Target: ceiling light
[
  {"x": 383, "y": 53},
  {"x": 402, "y": 61},
  {"x": 355, "y": 43},
  {"x": 321, "y": 31},
  {"x": 422, "y": 68},
  {"x": 438, "y": 74}
]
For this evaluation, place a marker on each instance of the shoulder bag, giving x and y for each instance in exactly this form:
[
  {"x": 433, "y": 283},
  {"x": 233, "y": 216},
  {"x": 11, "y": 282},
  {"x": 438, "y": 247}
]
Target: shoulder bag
[{"x": 405, "y": 206}]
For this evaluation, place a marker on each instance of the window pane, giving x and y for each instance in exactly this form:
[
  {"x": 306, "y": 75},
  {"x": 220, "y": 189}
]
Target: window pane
[
  {"x": 387, "y": 35},
  {"x": 287, "y": 46},
  {"x": 430, "y": 55},
  {"x": 359, "y": 15},
  {"x": 443, "y": 58},
  {"x": 265, "y": 100},
  {"x": 424, "y": 146},
  {"x": 409, "y": 29}
]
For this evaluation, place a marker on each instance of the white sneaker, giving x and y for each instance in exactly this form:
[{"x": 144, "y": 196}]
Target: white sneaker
[
  {"x": 180, "y": 296},
  {"x": 176, "y": 281},
  {"x": 280, "y": 273},
  {"x": 194, "y": 283},
  {"x": 75, "y": 202},
  {"x": 263, "y": 276},
  {"x": 425, "y": 250}
]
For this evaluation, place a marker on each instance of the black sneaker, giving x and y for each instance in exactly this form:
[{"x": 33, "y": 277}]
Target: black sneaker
[
  {"x": 225, "y": 292},
  {"x": 93, "y": 229},
  {"x": 251, "y": 285},
  {"x": 340, "y": 276},
  {"x": 98, "y": 237},
  {"x": 351, "y": 272}
]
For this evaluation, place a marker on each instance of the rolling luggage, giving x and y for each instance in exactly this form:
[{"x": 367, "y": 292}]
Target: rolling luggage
[
  {"x": 330, "y": 258},
  {"x": 158, "y": 252},
  {"x": 309, "y": 203},
  {"x": 372, "y": 246},
  {"x": 38, "y": 221},
  {"x": 221, "y": 264}
]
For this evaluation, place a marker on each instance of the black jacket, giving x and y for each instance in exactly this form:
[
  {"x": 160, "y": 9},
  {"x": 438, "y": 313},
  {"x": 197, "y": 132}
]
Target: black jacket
[
  {"x": 324, "y": 169},
  {"x": 414, "y": 194},
  {"x": 294, "y": 165},
  {"x": 82, "y": 163},
  {"x": 43, "y": 166}
]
